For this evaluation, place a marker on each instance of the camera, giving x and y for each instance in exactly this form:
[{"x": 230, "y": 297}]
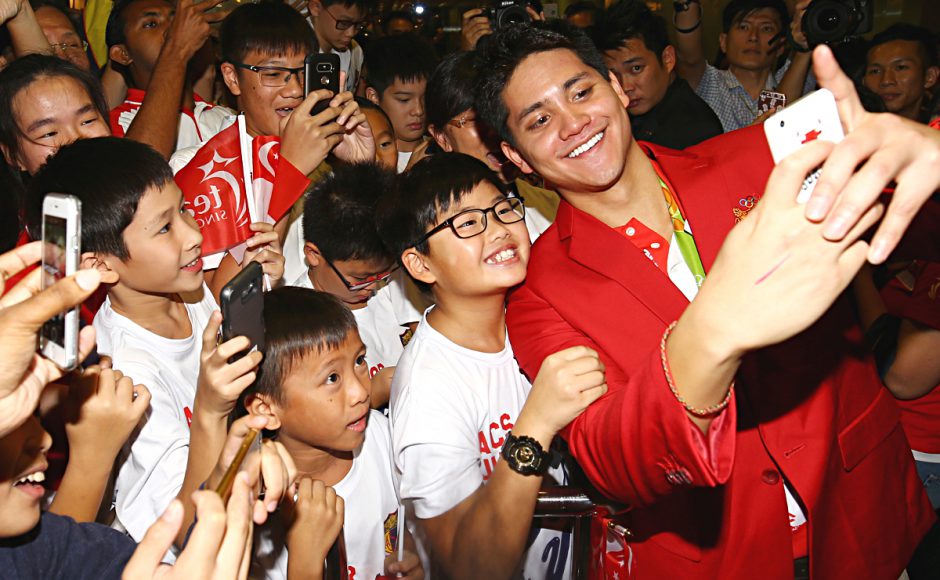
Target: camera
[
  {"x": 504, "y": 13},
  {"x": 833, "y": 21}
]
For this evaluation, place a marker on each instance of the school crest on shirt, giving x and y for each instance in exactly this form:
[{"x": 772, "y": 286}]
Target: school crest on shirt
[
  {"x": 744, "y": 207},
  {"x": 391, "y": 533},
  {"x": 405, "y": 337}
]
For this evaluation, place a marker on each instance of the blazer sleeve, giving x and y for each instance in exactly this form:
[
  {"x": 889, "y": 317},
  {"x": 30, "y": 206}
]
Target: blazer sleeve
[{"x": 636, "y": 444}]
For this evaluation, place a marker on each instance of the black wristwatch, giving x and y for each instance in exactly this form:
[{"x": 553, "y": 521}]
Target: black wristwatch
[{"x": 525, "y": 455}]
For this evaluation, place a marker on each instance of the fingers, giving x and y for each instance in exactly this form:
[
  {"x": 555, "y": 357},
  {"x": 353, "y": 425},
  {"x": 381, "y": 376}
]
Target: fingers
[
  {"x": 785, "y": 180},
  {"x": 61, "y": 296},
  {"x": 17, "y": 259},
  {"x": 237, "y": 530},
  {"x": 141, "y": 400},
  {"x": 198, "y": 558},
  {"x": 158, "y": 539},
  {"x": 275, "y": 474},
  {"x": 310, "y": 100},
  {"x": 831, "y": 77},
  {"x": 864, "y": 224},
  {"x": 28, "y": 286},
  {"x": 210, "y": 336}
]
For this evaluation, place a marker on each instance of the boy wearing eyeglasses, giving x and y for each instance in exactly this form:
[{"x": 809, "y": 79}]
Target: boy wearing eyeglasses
[
  {"x": 336, "y": 23},
  {"x": 346, "y": 258},
  {"x": 470, "y": 435}
]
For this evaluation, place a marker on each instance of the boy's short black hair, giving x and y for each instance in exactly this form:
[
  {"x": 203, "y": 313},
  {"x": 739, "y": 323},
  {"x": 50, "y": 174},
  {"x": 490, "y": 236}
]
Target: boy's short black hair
[
  {"x": 339, "y": 213},
  {"x": 926, "y": 40},
  {"x": 579, "y": 7},
  {"x": 123, "y": 170},
  {"x": 422, "y": 194},
  {"x": 114, "y": 32},
  {"x": 364, "y": 5},
  {"x": 450, "y": 88},
  {"x": 396, "y": 14},
  {"x": 297, "y": 322},
  {"x": 737, "y": 10},
  {"x": 269, "y": 27},
  {"x": 365, "y": 103},
  {"x": 505, "y": 50},
  {"x": 406, "y": 57},
  {"x": 628, "y": 20}
]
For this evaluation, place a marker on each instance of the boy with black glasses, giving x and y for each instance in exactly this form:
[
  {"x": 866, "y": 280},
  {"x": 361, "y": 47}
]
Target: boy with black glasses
[
  {"x": 459, "y": 401},
  {"x": 336, "y": 23}
]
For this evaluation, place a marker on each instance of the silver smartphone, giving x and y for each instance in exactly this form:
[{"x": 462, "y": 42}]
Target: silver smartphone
[{"x": 61, "y": 247}]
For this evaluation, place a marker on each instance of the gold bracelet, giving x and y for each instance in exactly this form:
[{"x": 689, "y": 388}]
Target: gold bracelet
[{"x": 707, "y": 411}]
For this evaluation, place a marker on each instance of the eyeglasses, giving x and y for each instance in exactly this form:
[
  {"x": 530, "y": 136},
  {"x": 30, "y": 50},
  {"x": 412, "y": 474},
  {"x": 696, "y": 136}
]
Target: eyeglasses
[
  {"x": 371, "y": 280},
  {"x": 472, "y": 222},
  {"x": 274, "y": 76},
  {"x": 65, "y": 47},
  {"x": 344, "y": 24}
]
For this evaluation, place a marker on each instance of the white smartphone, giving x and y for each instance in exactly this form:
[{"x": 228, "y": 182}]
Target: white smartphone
[
  {"x": 813, "y": 117},
  {"x": 61, "y": 247}
]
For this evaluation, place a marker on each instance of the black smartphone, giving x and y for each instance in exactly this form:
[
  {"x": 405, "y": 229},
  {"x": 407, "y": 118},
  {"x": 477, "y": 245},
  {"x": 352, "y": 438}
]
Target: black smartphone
[
  {"x": 242, "y": 304},
  {"x": 321, "y": 71}
]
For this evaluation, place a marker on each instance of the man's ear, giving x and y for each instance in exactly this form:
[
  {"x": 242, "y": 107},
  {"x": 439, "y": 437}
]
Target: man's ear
[
  {"x": 669, "y": 58},
  {"x": 119, "y": 54},
  {"x": 723, "y": 42},
  {"x": 230, "y": 76},
  {"x": 440, "y": 138},
  {"x": 417, "y": 265},
  {"x": 314, "y": 7},
  {"x": 618, "y": 88},
  {"x": 258, "y": 406},
  {"x": 373, "y": 95},
  {"x": 92, "y": 261},
  {"x": 513, "y": 155},
  {"x": 8, "y": 156},
  {"x": 930, "y": 76},
  {"x": 313, "y": 255}
]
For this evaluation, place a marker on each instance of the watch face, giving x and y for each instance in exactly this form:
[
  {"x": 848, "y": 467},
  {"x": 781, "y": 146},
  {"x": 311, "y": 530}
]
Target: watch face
[{"x": 525, "y": 455}]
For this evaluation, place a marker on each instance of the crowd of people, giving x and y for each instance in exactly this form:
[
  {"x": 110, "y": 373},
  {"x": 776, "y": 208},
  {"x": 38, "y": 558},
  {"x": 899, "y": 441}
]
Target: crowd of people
[{"x": 561, "y": 255}]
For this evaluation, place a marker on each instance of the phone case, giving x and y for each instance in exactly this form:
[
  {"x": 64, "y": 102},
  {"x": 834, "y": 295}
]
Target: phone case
[
  {"x": 321, "y": 71},
  {"x": 242, "y": 305}
]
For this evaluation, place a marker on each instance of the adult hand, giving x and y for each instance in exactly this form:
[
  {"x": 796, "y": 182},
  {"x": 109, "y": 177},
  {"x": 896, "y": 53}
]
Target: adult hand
[
  {"x": 189, "y": 28},
  {"x": 9, "y": 9},
  {"x": 775, "y": 270},
  {"x": 796, "y": 24},
  {"x": 890, "y": 149},
  {"x": 23, "y": 311},
  {"x": 474, "y": 25}
]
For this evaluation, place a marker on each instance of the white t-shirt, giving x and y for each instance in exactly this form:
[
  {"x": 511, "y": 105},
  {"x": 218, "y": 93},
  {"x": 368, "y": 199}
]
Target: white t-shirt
[
  {"x": 370, "y": 525},
  {"x": 451, "y": 408},
  {"x": 403, "y": 158},
  {"x": 152, "y": 464},
  {"x": 383, "y": 323},
  {"x": 196, "y": 126}
]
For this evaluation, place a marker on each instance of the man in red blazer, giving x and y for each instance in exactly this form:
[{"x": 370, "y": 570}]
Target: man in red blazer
[{"x": 753, "y": 434}]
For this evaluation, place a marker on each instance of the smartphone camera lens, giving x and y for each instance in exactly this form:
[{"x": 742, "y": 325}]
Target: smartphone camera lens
[{"x": 324, "y": 67}]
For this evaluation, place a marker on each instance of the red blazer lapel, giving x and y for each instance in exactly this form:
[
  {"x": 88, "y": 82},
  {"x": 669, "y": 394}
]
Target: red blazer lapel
[{"x": 600, "y": 248}]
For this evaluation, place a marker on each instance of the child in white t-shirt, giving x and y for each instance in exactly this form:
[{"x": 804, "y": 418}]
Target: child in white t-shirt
[
  {"x": 314, "y": 389},
  {"x": 347, "y": 259},
  {"x": 462, "y": 413},
  {"x": 136, "y": 232}
]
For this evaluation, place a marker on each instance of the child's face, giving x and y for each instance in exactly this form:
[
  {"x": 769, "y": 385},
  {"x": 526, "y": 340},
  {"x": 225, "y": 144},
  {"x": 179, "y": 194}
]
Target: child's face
[
  {"x": 486, "y": 264},
  {"x": 325, "y": 19},
  {"x": 22, "y": 455},
  {"x": 52, "y": 112},
  {"x": 164, "y": 246},
  {"x": 265, "y": 107},
  {"x": 386, "y": 149},
  {"x": 145, "y": 27},
  {"x": 404, "y": 104},
  {"x": 326, "y": 399},
  {"x": 342, "y": 278}
]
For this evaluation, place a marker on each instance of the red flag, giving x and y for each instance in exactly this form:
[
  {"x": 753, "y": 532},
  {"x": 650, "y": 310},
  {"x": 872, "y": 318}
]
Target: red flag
[
  {"x": 276, "y": 183},
  {"x": 213, "y": 186}
]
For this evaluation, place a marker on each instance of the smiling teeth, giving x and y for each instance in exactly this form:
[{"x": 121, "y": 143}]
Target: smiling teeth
[
  {"x": 37, "y": 477},
  {"x": 502, "y": 257},
  {"x": 587, "y": 146}
]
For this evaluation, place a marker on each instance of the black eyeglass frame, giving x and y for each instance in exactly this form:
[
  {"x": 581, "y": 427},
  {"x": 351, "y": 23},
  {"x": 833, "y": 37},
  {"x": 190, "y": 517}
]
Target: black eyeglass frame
[
  {"x": 449, "y": 222},
  {"x": 292, "y": 72},
  {"x": 345, "y": 24}
]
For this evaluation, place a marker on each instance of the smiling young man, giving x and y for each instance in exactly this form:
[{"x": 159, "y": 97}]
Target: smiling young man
[
  {"x": 901, "y": 68},
  {"x": 736, "y": 454},
  {"x": 663, "y": 107}
]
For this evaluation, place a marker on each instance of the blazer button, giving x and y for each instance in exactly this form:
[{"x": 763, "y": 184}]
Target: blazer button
[{"x": 770, "y": 477}]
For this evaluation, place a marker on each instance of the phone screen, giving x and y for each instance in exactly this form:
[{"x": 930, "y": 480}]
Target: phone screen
[{"x": 53, "y": 270}]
